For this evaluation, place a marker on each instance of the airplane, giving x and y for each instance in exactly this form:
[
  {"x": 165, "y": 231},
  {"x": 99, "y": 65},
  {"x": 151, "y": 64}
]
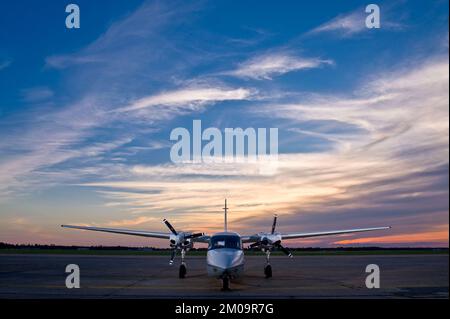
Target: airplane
[{"x": 225, "y": 255}]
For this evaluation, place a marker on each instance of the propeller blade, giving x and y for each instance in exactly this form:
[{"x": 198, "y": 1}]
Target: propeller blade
[
  {"x": 172, "y": 257},
  {"x": 285, "y": 250},
  {"x": 254, "y": 244},
  {"x": 274, "y": 223},
  {"x": 170, "y": 226},
  {"x": 194, "y": 235},
  {"x": 264, "y": 242}
]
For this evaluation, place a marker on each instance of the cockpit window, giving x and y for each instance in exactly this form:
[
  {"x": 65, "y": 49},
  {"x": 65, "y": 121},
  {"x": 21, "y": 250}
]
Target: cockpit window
[{"x": 220, "y": 241}]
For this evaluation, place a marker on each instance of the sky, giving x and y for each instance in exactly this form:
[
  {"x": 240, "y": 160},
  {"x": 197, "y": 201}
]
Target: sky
[{"x": 362, "y": 117}]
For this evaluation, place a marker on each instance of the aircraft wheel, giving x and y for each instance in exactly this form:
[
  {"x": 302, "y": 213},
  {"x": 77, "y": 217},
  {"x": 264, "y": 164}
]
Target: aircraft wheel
[
  {"x": 268, "y": 271},
  {"x": 183, "y": 271},
  {"x": 225, "y": 284}
]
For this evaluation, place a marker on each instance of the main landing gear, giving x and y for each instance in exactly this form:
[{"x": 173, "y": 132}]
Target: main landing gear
[
  {"x": 268, "y": 267},
  {"x": 183, "y": 270}
]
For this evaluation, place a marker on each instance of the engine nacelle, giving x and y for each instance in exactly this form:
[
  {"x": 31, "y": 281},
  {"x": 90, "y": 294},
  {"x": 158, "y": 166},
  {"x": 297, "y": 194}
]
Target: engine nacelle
[
  {"x": 175, "y": 240},
  {"x": 181, "y": 240},
  {"x": 267, "y": 239},
  {"x": 187, "y": 244}
]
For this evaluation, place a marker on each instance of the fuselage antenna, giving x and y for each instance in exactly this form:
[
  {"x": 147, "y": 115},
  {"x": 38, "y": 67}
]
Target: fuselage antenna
[{"x": 225, "y": 216}]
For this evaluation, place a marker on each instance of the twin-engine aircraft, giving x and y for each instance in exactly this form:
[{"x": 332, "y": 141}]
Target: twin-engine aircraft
[{"x": 225, "y": 256}]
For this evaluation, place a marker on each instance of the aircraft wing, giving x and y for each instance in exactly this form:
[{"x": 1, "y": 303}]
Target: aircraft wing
[
  {"x": 329, "y": 233},
  {"x": 202, "y": 239},
  {"x": 257, "y": 237},
  {"x": 142, "y": 233}
]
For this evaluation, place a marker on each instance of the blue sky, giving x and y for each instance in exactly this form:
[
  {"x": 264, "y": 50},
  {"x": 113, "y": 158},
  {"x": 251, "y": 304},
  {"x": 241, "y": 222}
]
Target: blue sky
[{"x": 86, "y": 114}]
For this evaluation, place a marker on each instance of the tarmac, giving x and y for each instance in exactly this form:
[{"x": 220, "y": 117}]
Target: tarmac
[{"x": 401, "y": 276}]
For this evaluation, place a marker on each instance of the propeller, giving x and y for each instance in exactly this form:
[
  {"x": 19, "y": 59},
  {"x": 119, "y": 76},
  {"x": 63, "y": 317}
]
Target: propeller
[
  {"x": 194, "y": 235},
  {"x": 170, "y": 227},
  {"x": 173, "y": 241},
  {"x": 179, "y": 240},
  {"x": 262, "y": 242},
  {"x": 274, "y": 224},
  {"x": 255, "y": 244},
  {"x": 278, "y": 243},
  {"x": 286, "y": 251},
  {"x": 271, "y": 240}
]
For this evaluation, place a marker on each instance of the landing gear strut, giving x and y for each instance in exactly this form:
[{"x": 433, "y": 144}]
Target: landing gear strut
[
  {"x": 268, "y": 267},
  {"x": 183, "y": 269},
  {"x": 225, "y": 284}
]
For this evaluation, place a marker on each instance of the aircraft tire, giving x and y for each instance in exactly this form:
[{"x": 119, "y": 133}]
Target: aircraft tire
[
  {"x": 183, "y": 271},
  {"x": 268, "y": 271}
]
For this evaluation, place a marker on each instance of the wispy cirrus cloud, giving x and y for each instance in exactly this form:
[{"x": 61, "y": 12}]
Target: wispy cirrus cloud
[
  {"x": 37, "y": 94},
  {"x": 189, "y": 98},
  {"x": 126, "y": 43},
  {"x": 5, "y": 64},
  {"x": 266, "y": 66},
  {"x": 347, "y": 25},
  {"x": 26, "y": 162},
  {"x": 132, "y": 222},
  {"x": 389, "y": 170},
  {"x": 50, "y": 136},
  {"x": 350, "y": 24}
]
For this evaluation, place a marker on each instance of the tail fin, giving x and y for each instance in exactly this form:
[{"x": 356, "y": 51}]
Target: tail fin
[{"x": 225, "y": 216}]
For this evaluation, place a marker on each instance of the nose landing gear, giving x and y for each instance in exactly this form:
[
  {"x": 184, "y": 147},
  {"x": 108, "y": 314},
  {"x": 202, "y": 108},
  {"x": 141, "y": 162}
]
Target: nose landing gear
[
  {"x": 268, "y": 267},
  {"x": 225, "y": 284},
  {"x": 183, "y": 270}
]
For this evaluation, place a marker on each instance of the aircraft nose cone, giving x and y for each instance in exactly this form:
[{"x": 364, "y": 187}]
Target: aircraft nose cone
[{"x": 225, "y": 258}]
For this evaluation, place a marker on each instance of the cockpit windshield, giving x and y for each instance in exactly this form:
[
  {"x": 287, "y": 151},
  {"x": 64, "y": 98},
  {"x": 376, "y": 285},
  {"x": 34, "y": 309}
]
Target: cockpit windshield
[{"x": 225, "y": 241}]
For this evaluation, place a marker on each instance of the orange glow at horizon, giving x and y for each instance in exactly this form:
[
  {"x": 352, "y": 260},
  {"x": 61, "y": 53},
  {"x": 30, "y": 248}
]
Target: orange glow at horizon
[{"x": 425, "y": 237}]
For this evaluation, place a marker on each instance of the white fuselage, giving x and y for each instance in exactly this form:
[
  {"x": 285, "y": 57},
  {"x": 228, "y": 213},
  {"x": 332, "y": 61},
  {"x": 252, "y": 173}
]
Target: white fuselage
[{"x": 225, "y": 257}]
